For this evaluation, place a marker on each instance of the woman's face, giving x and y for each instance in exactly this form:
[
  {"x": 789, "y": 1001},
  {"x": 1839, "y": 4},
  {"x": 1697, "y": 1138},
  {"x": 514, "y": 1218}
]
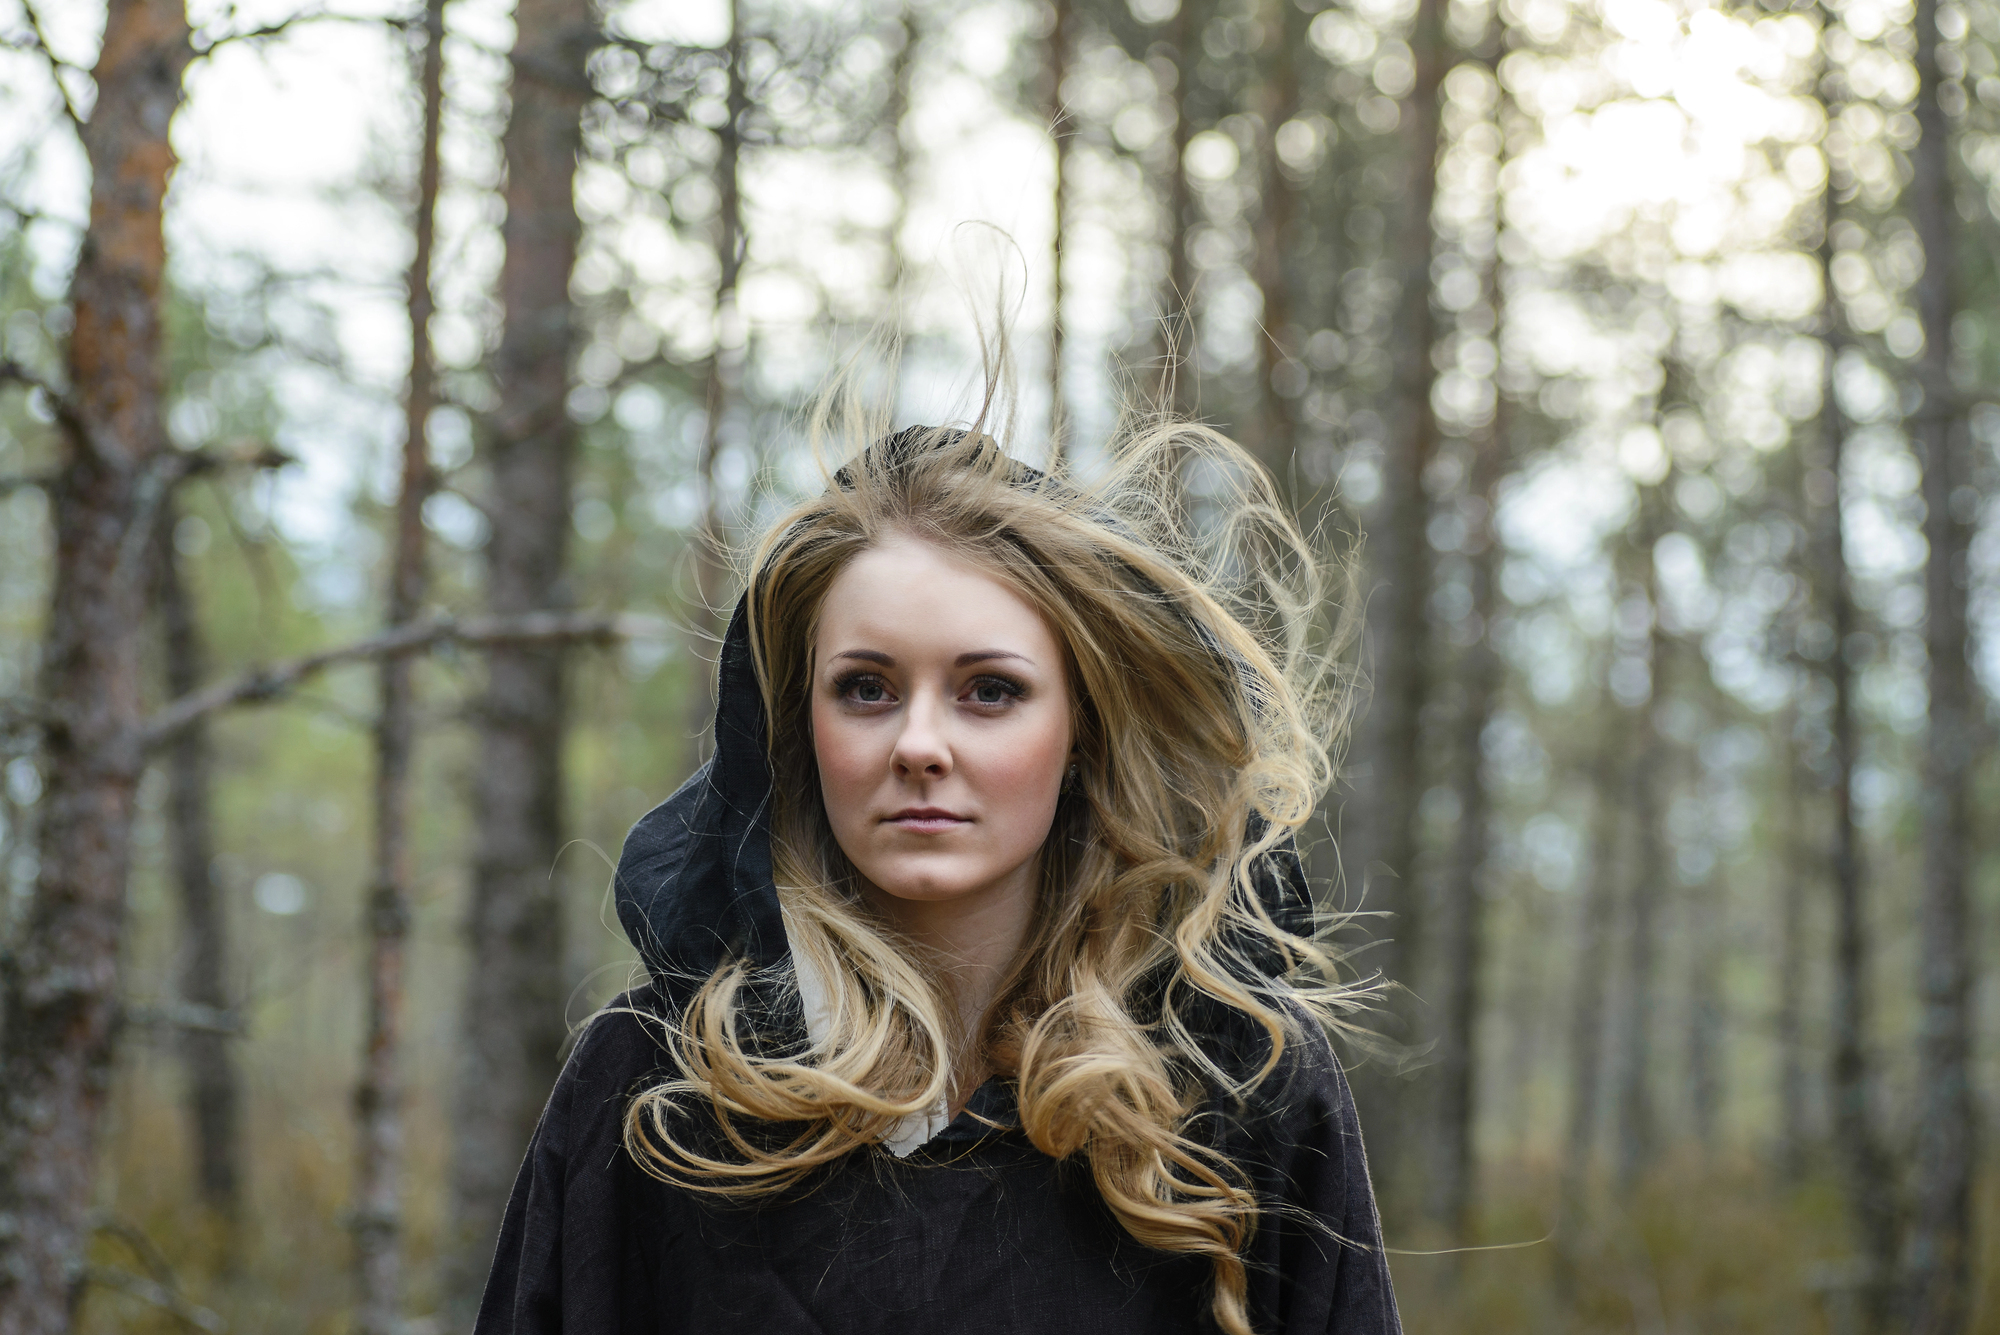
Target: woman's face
[{"x": 941, "y": 723}]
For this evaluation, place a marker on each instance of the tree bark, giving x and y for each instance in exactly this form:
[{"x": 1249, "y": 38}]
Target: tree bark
[
  {"x": 214, "y": 1093},
  {"x": 377, "y": 1218},
  {"x": 1941, "y": 1253},
  {"x": 902, "y": 166},
  {"x": 1273, "y": 435},
  {"x": 722, "y": 378},
  {"x": 1789, "y": 1021},
  {"x": 1586, "y": 1028},
  {"x": 1399, "y": 644},
  {"x": 1056, "y": 58},
  {"x": 1178, "y": 375},
  {"x": 513, "y": 1026},
  {"x": 59, "y": 986},
  {"x": 1632, "y": 1049},
  {"x": 1864, "y": 1162}
]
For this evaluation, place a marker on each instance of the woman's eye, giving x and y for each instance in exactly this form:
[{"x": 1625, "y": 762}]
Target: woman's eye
[
  {"x": 863, "y": 690},
  {"x": 990, "y": 692}
]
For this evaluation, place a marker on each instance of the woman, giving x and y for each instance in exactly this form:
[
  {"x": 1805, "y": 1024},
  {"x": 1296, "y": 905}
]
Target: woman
[{"x": 983, "y": 992}]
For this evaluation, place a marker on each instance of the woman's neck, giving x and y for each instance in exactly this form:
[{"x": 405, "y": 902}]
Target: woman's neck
[{"x": 976, "y": 939}]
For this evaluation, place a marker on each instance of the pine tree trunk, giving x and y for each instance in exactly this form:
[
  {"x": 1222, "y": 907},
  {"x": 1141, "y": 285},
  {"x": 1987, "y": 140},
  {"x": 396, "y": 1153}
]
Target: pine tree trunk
[
  {"x": 59, "y": 986},
  {"x": 722, "y": 381},
  {"x": 377, "y": 1218},
  {"x": 1056, "y": 57},
  {"x": 1273, "y": 434},
  {"x": 1590, "y": 985},
  {"x": 1864, "y": 1163},
  {"x": 1632, "y": 1049},
  {"x": 1707, "y": 936},
  {"x": 513, "y": 1024},
  {"x": 1179, "y": 387},
  {"x": 214, "y": 1093},
  {"x": 1941, "y": 1254},
  {"x": 1398, "y": 643},
  {"x": 1789, "y": 1023},
  {"x": 1460, "y": 930}
]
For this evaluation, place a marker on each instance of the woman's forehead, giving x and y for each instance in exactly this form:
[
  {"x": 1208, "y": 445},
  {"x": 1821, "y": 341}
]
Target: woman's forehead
[{"x": 908, "y": 594}]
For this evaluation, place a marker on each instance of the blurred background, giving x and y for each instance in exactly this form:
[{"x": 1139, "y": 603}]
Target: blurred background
[{"x": 1645, "y": 354}]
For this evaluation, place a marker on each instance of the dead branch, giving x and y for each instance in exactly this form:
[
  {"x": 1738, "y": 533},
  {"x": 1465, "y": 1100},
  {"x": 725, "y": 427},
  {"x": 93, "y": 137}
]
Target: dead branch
[
  {"x": 56, "y": 64},
  {"x": 156, "y": 1295},
  {"x": 185, "y": 1015},
  {"x": 261, "y": 685},
  {"x": 60, "y": 403},
  {"x": 24, "y": 481},
  {"x": 283, "y": 26}
]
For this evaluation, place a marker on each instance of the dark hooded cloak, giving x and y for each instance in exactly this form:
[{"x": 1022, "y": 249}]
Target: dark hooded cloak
[{"x": 976, "y": 1230}]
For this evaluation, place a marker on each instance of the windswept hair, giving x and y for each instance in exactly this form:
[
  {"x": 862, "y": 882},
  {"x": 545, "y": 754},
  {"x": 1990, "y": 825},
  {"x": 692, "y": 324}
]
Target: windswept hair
[{"x": 1200, "y": 661}]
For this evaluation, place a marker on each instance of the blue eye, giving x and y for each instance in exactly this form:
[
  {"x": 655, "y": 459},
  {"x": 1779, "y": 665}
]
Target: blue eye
[
  {"x": 862, "y": 688},
  {"x": 996, "y": 691}
]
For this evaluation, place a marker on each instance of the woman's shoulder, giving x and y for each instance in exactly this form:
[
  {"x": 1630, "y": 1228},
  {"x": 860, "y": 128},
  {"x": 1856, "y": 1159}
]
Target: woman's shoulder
[{"x": 622, "y": 1045}]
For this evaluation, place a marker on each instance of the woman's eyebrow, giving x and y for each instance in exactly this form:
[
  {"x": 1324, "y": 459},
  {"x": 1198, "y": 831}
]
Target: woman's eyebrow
[
  {"x": 868, "y": 656},
  {"x": 987, "y": 655}
]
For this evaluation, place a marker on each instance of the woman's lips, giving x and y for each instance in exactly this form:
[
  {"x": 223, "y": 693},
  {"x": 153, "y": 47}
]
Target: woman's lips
[{"x": 927, "y": 820}]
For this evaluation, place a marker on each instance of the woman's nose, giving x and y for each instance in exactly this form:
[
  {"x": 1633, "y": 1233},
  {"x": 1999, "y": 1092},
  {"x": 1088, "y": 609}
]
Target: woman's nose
[{"x": 921, "y": 748}]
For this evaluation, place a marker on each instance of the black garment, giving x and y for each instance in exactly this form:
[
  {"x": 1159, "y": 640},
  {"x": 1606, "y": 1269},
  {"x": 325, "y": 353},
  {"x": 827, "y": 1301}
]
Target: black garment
[{"x": 977, "y": 1230}]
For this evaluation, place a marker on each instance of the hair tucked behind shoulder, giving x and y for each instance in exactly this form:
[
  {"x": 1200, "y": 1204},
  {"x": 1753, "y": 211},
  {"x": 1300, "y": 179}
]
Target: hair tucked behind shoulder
[{"x": 1200, "y": 653}]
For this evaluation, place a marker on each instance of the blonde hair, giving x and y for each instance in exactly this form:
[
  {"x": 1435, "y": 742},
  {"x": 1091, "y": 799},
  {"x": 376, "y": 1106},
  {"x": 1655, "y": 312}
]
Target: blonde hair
[{"x": 1199, "y": 652}]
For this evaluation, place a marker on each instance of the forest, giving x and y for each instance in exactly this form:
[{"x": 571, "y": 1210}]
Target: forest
[{"x": 387, "y": 390}]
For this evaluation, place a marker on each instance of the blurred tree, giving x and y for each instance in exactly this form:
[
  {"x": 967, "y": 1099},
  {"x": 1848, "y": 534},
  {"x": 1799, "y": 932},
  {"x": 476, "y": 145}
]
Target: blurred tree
[
  {"x": 214, "y": 1089},
  {"x": 377, "y": 1219},
  {"x": 1869, "y": 1179},
  {"x": 722, "y": 383},
  {"x": 1058, "y": 51},
  {"x": 513, "y": 1022},
  {"x": 1384, "y": 846},
  {"x": 1941, "y": 1260},
  {"x": 1633, "y": 1054},
  {"x": 1466, "y": 882},
  {"x": 59, "y": 985}
]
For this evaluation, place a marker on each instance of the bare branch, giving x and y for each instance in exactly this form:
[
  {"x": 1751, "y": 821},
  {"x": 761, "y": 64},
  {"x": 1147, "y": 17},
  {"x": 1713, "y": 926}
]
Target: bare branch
[
  {"x": 264, "y": 684},
  {"x": 285, "y": 25},
  {"x": 156, "y": 1295},
  {"x": 11, "y": 370},
  {"x": 185, "y": 1015},
  {"x": 23, "y": 481},
  {"x": 56, "y": 65},
  {"x": 62, "y": 404}
]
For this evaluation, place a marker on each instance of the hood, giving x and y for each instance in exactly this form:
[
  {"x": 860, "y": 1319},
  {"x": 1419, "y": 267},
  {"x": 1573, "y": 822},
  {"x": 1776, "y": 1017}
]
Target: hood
[
  {"x": 694, "y": 884},
  {"x": 694, "y": 880}
]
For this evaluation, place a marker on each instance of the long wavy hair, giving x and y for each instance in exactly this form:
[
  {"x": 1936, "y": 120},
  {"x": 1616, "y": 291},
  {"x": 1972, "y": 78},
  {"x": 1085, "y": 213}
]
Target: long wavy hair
[{"x": 1202, "y": 669}]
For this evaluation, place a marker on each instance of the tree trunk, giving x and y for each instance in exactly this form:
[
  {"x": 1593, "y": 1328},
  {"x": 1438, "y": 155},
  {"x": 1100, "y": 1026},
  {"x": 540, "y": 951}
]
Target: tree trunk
[
  {"x": 1707, "y": 935},
  {"x": 1632, "y": 1050},
  {"x": 1864, "y": 1163},
  {"x": 1178, "y": 387},
  {"x": 1399, "y": 641},
  {"x": 1941, "y": 1241},
  {"x": 513, "y": 1026},
  {"x": 1789, "y": 1025},
  {"x": 722, "y": 379},
  {"x": 214, "y": 1093},
  {"x": 902, "y": 167},
  {"x": 377, "y": 1219},
  {"x": 59, "y": 986},
  {"x": 1586, "y": 1028},
  {"x": 1460, "y": 930},
  {"x": 1056, "y": 114},
  {"x": 1272, "y": 436}
]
